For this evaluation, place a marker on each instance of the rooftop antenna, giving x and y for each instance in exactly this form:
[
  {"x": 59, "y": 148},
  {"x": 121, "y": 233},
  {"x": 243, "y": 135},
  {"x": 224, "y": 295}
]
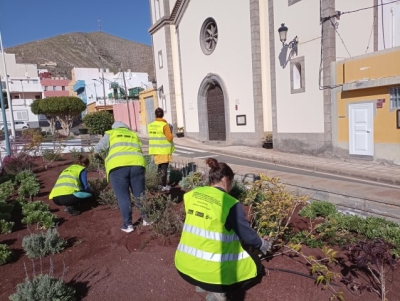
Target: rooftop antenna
[{"x": 99, "y": 23}]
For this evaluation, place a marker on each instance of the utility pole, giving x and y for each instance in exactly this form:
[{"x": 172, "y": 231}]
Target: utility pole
[
  {"x": 127, "y": 104},
  {"x": 8, "y": 89},
  {"x": 3, "y": 110},
  {"x": 104, "y": 89}
]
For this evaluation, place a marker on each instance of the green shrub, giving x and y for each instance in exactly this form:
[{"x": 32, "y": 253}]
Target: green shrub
[
  {"x": 38, "y": 213},
  {"x": 51, "y": 155},
  {"x": 29, "y": 188},
  {"x": 97, "y": 186},
  {"x": 175, "y": 176},
  {"x": 192, "y": 180},
  {"x": 24, "y": 175},
  {"x": 306, "y": 238},
  {"x": 42, "y": 219},
  {"x": 98, "y": 122},
  {"x": 107, "y": 197},
  {"x": 169, "y": 221},
  {"x": 43, "y": 287},
  {"x": 318, "y": 208},
  {"x": 238, "y": 191},
  {"x": 5, "y": 254},
  {"x": 6, "y": 226},
  {"x": 153, "y": 178},
  {"x": 42, "y": 244},
  {"x": 6, "y": 191}
]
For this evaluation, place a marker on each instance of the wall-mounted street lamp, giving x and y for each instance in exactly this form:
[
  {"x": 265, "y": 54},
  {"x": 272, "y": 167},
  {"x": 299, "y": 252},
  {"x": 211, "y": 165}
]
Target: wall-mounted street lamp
[{"x": 283, "y": 30}]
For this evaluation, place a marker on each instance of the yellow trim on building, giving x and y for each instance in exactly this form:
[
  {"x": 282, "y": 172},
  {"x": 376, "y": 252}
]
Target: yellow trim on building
[{"x": 142, "y": 97}]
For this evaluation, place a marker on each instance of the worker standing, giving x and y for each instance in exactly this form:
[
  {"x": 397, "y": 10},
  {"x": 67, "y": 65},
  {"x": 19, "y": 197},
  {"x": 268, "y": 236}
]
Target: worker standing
[
  {"x": 125, "y": 169},
  {"x": 161, "y": 145},
  {"x": 72, "y": 188},
  {"x": 210, "y": 255}
]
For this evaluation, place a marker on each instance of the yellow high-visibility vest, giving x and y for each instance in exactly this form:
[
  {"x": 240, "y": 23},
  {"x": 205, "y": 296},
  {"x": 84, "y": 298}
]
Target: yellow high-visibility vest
[
  {"x": 68, "y": 182},
  {"x": 125, "y": 150},
  {"x": 158, "y": 143},
  {"x": 207, "y": 252}
]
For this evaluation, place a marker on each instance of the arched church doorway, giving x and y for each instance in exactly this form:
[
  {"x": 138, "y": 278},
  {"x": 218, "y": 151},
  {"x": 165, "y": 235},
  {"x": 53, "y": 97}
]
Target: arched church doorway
[{"x": 216, "y": 113}]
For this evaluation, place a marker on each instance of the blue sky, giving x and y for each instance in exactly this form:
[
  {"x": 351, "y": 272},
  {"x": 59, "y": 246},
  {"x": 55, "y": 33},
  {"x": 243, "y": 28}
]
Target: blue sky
[{"x": 24, "y": 21}]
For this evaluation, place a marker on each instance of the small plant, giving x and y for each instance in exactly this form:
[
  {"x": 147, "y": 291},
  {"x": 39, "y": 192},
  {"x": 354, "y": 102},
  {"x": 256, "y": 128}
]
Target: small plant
[
  {"x": 268, "y": 137},
  {"x": 175, "y": 176},
  {"x": 43, "y": 287},
  {"x": 192, "y": 180},
  {"x": 14, "y": 164},
  {"x": 24, "y": 175},
  {"x": 376, "y": 258},
  {"x": 42, "y": 244},
  {"x": 97, "y": 186},
  {"x": 152, "y": 176},
  {"x": 170, "y": 220},
  {"x": 75, "y": 153},
  {"x": 107, "y": 197},
  {"x": 50, "y": 155},
  {"x": 318, "y": 209},
  {"x": 38, "y": 213},
  {"x": 273, "y": 206},
  {"x": 6, "y": 226},
  {"x": 238, "y": 191},
  {"x": 5, "y": 254},
  {"x": 6, "y": 190},
  {"x": 29, "y": 188}
]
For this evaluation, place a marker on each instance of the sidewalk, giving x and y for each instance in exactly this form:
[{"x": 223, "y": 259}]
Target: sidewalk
[{"x": 367, "y": 170}]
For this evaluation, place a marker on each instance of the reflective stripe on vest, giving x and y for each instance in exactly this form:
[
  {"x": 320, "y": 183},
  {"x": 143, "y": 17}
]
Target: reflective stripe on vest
[
  {"x": 125, "y": 150},
  {"x": 207, "y": 251},
  {"x": 210, "y": 234},
  {"x": 68, "y": 182},
  {"x": 158, "y": 143},
  {"x": 211, "y": 256}
]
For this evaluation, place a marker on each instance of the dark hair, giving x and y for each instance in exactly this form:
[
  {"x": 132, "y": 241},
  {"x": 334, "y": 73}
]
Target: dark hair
[
  {"x": 218, "y": 170},
  {"x": 82, "y": 160},
  {"x": 159, "y": 113}
]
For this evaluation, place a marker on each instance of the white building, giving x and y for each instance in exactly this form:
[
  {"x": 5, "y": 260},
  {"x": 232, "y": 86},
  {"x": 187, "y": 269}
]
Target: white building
[
  {"x": 88, "y": 84},
  {"x": 388, "y": 24},
  {"x": 24, "y": 85},
  {"x": 223, "y": 73}
]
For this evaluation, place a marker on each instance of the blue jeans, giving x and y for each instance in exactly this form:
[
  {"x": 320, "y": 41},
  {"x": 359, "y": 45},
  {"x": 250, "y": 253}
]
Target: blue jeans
[{"x": 123, "y": 180}]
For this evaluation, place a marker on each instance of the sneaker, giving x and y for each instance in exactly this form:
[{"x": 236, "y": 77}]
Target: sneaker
[
  {"x": 146, "y": 223},
  {"x": 216, "y": 297},
  {"x": 71, "y": 210},
  {"x": 128, "y": 229},
  {"x": 166, "y": 188}
]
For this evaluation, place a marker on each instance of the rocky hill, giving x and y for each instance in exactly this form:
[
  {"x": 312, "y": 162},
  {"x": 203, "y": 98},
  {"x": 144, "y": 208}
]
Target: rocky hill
[{"x": 61, "y": 53}]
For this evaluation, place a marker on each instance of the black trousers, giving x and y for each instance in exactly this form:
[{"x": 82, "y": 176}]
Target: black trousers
[
  {"x": 68, "y": 200},
  {"x": 163, "y": 170},
  {"x": 220, "y": 288}
]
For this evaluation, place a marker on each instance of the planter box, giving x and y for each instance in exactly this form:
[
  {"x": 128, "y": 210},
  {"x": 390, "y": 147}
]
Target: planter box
[
  {"x": 179, "y": 135},
  {"x": 267, "y": 145}
]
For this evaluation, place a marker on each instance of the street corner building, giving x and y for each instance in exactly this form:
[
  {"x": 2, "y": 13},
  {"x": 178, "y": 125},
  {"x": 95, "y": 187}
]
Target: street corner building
[{"x": 230, "y": 72}]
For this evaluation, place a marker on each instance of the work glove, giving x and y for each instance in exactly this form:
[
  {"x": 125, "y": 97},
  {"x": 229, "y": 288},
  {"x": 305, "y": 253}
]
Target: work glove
[{"x": 265, "y": 246}]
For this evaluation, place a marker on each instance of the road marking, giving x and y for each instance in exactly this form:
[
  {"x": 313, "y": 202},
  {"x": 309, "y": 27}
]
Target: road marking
[
  {"x": 183, "y": 152},
  {"x": 175, "y": 155},
  {"x": 190, "y": 149},
  {"x": 211, "y": 156}
]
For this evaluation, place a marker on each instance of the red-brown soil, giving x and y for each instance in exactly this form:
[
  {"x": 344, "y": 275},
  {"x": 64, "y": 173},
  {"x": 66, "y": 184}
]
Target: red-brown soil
[{"x": 104, "y": 263}]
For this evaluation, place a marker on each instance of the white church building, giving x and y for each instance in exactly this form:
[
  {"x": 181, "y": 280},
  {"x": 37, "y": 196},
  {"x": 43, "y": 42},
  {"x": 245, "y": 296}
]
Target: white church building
[{"x": 226, "y": 75}]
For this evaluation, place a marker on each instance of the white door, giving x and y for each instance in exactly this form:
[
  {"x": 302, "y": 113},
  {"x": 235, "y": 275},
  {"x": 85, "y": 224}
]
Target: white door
[{"x": 361, "y": 118}]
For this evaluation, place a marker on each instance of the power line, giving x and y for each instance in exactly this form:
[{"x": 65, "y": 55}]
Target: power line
[
  {"x": 335, "y": 26},
  {"x": 360, "y": 9},
  {"x": 370, "y": 36}
]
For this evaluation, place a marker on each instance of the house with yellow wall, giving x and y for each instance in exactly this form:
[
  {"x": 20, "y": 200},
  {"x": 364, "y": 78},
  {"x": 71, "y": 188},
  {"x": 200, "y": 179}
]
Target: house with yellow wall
[{"x": 366, "y": 106}]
